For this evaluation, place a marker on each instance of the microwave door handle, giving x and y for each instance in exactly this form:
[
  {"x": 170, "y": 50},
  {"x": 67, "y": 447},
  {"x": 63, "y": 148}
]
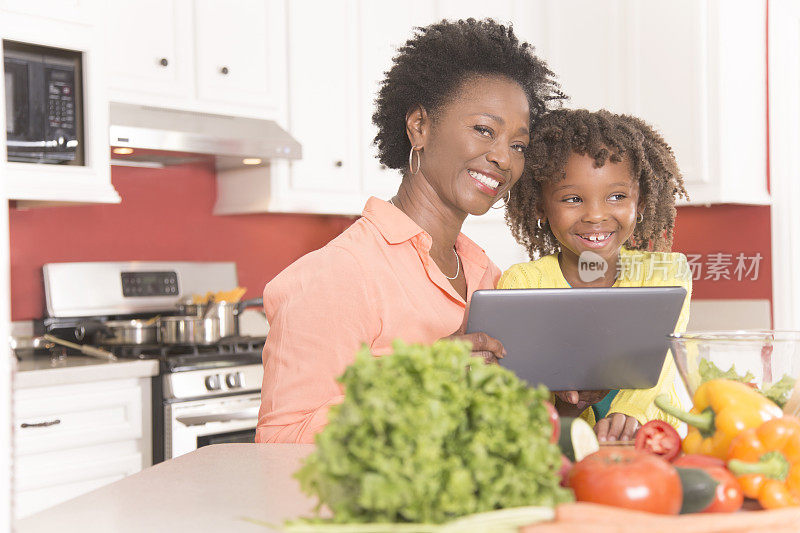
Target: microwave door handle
[
  {"x": 199, "y": 420},
  {"x": 29, "y": 144}
]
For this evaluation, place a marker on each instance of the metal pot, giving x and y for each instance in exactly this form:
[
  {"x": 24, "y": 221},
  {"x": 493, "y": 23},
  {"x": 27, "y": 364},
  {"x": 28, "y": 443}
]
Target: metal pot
[
  {"x": 227, "y": 313},
  {"x": 135, "y": 331},
  {"x": 189, "y": 330},
  {"x": 25, "y": 346}
]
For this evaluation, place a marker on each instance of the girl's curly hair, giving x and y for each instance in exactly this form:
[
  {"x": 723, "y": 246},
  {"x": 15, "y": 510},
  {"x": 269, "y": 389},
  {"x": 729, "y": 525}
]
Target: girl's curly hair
[
  {"x": 432, "y": 65},
  {"x": 602, "y": 136}
]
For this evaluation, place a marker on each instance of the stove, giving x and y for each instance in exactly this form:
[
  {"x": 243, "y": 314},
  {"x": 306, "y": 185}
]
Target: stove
[{"x": 203, "y": 394}]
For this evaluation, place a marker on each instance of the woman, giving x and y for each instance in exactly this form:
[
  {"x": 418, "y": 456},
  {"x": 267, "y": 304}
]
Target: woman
[{"x": 454, "y": 116}]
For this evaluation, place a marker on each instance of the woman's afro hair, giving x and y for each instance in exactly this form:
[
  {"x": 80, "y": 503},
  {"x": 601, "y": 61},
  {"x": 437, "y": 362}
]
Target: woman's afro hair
[
  {"x": 602, "y": 136},
  {"x": 430, "y": 68}
]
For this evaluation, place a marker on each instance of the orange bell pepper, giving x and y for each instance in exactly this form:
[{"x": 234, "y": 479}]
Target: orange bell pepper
[
  {"x": 722, "y": 409},
  {"x": 766, "y": 462}
]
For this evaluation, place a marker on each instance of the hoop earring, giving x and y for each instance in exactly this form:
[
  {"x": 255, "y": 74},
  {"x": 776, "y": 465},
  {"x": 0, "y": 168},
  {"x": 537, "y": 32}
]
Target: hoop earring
[
  {"x": 410, "y": 160},
  {"x": 640, "y": 218},
  {"x": 539, "y": 224},
  {"x": 507, "y": 199}
]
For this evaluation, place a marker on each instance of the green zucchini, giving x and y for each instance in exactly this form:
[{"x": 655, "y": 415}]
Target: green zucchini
[
  {"x": 699, "y": 489},
  {"x": 577, "y": 439}
]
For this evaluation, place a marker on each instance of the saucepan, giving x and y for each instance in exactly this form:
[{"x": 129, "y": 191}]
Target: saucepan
[
  {"x": 189, "y": 329},
  {"x": 227, "y": 313},
  {"x": 136, "y": 331}
]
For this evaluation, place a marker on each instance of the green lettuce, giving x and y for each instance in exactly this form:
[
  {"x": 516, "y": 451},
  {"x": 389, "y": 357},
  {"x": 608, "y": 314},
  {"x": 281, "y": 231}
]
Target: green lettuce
[
  {"x": 778, "y": 392},
  {"x": 429, "y": 434},
  {"x": 709, "y": 371}
]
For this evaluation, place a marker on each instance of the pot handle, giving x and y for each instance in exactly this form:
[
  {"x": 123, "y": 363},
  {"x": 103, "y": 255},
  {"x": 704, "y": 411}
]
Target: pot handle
[{"x": 245, "y": 304}]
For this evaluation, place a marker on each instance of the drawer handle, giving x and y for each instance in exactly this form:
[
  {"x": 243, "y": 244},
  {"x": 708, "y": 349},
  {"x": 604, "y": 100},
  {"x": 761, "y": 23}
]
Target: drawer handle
[{"x": 41, "y": 424}]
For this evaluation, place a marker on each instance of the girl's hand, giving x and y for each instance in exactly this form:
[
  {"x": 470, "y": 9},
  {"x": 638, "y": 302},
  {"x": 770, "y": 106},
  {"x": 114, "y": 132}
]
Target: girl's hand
[
  {"x": 573, "y": 403},
  {"x": 616, "y": 426}
]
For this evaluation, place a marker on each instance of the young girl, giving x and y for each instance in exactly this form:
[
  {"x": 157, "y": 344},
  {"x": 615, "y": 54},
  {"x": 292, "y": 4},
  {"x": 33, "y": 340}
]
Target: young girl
[{"x": 600, "y": 187}]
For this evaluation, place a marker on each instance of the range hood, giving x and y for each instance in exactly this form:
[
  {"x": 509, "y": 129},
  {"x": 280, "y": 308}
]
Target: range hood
[{"x": 155, "y": 137}]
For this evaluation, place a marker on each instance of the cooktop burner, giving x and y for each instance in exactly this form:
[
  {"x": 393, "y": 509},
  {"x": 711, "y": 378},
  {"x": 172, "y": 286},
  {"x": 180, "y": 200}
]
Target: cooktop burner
[{"x": 231, "y": 351}]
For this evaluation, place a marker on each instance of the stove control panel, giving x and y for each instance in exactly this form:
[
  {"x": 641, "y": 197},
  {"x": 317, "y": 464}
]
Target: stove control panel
[
  {"x": 149, "y": 284},
  {"x": 234, "y": 380},
  {"x": 202, "y": 383}
]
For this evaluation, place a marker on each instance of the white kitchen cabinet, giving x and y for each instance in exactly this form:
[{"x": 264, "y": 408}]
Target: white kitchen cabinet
[
  {"x": 31, "y": 183},
  {"x": 150, "y": 47},
  {"x": 199, "y": 55},
  {"x": 696, "y": 70},
  {"x": 73, "y": 438},
  {"x": 323, "y": 97},
  {"x": 81, "y": 11}
]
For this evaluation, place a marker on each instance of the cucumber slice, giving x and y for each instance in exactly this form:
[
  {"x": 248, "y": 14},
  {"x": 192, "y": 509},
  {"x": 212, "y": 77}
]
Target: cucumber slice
[
  {"x": 699, "y": 489},
  {"x": 577, "y": 439}
]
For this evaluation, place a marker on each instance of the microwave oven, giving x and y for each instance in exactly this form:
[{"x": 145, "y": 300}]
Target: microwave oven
[{"x": 43, "y": 93}]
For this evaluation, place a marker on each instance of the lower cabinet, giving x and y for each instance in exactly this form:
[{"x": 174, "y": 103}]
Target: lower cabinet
[{"x": 72, "y": 439}]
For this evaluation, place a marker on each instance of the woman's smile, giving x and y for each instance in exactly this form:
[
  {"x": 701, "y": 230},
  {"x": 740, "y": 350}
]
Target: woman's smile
[{"x": 486, "y": 182}]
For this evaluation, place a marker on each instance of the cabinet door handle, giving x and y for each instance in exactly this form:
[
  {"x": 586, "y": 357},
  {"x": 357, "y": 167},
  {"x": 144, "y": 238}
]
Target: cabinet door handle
[
  {"x": 224, "y": 70},
  {"x": 41, "y": 424},
  {"x": 338, "y": 164},
  {"x": 163, "y": 62}
]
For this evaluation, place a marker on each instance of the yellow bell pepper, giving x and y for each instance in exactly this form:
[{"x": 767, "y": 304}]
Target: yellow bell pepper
[{"x": 722, "y": 409}]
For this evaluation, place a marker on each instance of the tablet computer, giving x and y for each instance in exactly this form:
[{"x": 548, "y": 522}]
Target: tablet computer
[{"x": 582, "y": 338}]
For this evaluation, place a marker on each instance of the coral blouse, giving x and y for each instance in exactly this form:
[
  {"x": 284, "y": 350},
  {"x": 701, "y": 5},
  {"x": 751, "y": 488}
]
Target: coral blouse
[{"x": 374, "y": 283}]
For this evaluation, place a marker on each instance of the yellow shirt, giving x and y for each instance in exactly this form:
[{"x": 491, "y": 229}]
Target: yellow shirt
[{"x": 638, "y": 269}]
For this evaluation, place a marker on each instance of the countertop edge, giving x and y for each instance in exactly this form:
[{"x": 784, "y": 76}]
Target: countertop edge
[{"x": 78, "y": 369}]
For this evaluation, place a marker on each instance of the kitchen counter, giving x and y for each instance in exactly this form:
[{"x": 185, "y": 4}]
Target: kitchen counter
[
  {"x": 215, "y": 488},
  {"x": 45, "y": 372}
]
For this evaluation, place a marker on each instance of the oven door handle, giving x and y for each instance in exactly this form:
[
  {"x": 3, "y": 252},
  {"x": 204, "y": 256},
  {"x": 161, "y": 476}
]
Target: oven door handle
[{"x": 199, "y": 420}]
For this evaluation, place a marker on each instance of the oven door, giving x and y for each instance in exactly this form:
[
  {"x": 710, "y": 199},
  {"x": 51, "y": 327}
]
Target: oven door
[{"x": 192, "y": 424}]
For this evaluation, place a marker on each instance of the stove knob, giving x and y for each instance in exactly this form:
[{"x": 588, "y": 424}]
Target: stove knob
[
  {"x": 234, "y": 381},
  {"x": 213, "y": 383}
]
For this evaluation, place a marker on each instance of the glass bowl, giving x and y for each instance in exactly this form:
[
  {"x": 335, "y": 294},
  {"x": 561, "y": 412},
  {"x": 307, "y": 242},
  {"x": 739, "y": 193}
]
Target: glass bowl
[{"x": 767, "y": 359}]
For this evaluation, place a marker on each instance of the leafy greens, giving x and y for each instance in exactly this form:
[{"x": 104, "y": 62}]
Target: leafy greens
[
  {"x": 778, "y": 392},
  {"x": 429, "y": 434}
]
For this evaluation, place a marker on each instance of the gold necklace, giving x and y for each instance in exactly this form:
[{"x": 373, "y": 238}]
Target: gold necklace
[{"x": 458, "y": 259}]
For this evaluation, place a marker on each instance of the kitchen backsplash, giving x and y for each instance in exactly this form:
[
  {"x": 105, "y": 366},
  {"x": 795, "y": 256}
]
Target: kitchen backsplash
[{"x": 166, "y": 215}]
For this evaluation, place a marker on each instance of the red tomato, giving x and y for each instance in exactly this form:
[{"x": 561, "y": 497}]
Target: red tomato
[
  {"x": 555, "y": 421},
  {"x": 627, "y": 478},
  {"x": 563, "y": 472},
  {"x": 728, "y": 497},
  {"x": 697, "y": 460},
  {"x": 659, "y": 438}
]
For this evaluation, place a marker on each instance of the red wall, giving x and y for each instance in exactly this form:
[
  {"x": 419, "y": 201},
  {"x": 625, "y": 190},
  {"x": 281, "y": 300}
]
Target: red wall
[
  {"x": 166, "y": 215},
  {"x": 727, "y": 229}
]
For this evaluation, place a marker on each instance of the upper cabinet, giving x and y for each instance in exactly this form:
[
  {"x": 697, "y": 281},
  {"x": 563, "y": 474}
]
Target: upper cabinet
[
  {"x": 67, "y": 29},
  {"x": 150, "y": 47},
  {"x": 696, "y": 70},
  {"x": 199, "y": 55}
]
